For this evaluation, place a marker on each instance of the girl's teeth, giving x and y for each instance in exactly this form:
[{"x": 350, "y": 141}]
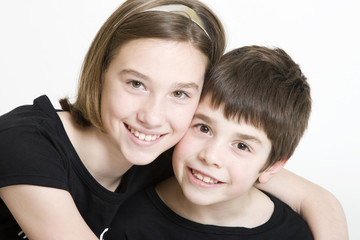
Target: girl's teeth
[
  {"x": 142, "y": 136},
  {"x": 206, "y": 179}
]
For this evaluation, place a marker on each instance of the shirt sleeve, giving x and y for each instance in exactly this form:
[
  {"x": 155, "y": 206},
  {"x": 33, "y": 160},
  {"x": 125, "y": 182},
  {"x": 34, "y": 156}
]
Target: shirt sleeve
[{"x": 29, "y": 155}]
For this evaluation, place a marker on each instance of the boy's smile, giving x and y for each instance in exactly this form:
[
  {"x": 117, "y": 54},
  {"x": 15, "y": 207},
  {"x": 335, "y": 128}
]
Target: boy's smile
[
  {"x": 202, "y": 179},
  {"x": 219, "y": 160}
]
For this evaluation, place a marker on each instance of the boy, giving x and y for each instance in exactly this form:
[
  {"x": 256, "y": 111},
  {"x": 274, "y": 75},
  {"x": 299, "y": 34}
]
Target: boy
[{"x": 252, "y": 114}]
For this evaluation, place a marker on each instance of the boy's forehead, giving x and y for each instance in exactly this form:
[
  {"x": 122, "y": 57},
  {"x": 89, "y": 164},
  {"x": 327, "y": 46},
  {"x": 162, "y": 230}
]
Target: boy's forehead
[
  {"x": 206, "y": 107},
  {"x": 205, "y": 104},
  {"x": 212, "y": 113},
  {"x": 207, "y": 112}
]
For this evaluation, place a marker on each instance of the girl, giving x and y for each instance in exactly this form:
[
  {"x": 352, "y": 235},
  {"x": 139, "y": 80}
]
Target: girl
[{"x": 139, "y": 87}]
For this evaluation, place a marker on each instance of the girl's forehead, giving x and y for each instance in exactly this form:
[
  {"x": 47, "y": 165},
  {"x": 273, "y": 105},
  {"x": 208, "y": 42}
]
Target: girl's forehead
[{"x": 161, "y": 56}]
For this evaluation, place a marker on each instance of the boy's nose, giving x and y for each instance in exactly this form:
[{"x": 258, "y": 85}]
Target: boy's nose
[{"x": 211, "y": 155}]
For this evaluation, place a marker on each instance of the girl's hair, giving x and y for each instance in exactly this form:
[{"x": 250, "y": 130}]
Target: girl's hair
[{"x": 131, "y": 21}]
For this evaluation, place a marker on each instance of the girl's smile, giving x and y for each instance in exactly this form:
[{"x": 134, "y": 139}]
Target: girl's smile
[{"x": 150, "y": 92}]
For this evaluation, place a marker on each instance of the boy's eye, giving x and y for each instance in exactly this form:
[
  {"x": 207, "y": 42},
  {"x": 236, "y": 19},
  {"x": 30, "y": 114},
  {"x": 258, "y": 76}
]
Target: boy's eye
[
  {"x": 136, "y": 84},
  {"x": 242, "y": 147},
  {"x": 179, "y": 94},
  {"x": 203, "y": 128}
]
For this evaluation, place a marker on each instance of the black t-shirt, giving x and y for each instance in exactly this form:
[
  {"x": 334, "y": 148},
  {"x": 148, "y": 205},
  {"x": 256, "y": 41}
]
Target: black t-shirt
[
  {"x": 145, "y": 217},
  {"x": 35, "y": 150}
]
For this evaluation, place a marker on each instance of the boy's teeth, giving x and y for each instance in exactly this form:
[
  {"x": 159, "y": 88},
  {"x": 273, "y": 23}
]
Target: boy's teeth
[
  {"x": 143, "y": 136},
  {"x": 204, "y": 178}
]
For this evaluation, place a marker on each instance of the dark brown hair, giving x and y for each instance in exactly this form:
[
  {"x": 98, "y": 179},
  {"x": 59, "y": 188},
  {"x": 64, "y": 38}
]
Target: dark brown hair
[
  {"x": 130, "y": 22},
  {"x": 265, "y": 88}
]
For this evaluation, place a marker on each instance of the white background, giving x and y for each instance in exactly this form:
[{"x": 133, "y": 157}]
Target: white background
[{"x": 43, "y": 42}]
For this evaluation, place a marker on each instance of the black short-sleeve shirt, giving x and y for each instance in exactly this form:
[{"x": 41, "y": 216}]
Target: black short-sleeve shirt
[
  {"x": 35, "y": 150},
  {"x": 145, "y": 216}
]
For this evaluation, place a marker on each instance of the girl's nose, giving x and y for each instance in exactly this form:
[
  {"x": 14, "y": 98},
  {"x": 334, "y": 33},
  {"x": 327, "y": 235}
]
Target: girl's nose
[{"x": 152, "y": 112}]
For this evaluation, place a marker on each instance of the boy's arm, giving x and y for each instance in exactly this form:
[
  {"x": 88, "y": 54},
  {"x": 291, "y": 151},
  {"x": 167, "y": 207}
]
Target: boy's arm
[
  {"x": 319, "y": 208},
  {"x": 45, "y": 213}
]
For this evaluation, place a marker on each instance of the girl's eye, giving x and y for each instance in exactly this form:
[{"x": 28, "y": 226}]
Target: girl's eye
[
  {"x": 180, "y": 94},
  {"x": 136, "y": 84},
  {"x": 242, "y": 147}
]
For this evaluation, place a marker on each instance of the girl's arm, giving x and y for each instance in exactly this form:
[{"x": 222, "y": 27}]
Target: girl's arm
[
  {"x": 45, "y": 213},
  {"x": 319, "y": 208}
]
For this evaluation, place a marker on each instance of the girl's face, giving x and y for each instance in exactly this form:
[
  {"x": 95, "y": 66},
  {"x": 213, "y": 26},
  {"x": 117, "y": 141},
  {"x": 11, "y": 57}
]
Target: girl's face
[{"x": 150, "y": 93}]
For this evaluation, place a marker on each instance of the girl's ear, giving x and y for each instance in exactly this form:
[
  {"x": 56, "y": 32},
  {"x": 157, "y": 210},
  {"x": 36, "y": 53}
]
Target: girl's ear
[{"x": 266, "y": 175}]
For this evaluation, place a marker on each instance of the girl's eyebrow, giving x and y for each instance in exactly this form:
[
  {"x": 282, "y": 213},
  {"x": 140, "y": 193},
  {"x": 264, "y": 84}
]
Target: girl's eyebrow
[
  {"x": 144, "y": 77},
  {"x": 135, "y": 73},
  {"x": 187, "y": 85}
]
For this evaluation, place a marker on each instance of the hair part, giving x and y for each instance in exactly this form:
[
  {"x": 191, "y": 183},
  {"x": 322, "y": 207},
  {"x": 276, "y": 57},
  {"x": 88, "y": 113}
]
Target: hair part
[
  {"x": 130, "y": 22},
  {"x": 265, "y": 88}
]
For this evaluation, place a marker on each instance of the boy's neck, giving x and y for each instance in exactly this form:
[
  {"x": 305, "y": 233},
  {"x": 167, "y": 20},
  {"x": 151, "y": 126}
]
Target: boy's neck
[{"x": 249, "y": 211}]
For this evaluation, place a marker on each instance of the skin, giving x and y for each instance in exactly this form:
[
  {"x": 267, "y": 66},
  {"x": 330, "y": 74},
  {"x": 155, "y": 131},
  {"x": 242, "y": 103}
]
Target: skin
[
  {"x": 147, "y": 96},
  {"x": 148, "y": 85},
  {"x": 216, "y": 165},
  {"x": 41, "y": 210}
]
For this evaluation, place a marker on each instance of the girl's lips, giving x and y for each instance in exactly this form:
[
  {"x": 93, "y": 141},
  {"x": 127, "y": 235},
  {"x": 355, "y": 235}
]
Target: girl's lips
[{"x": 142, "y": 136}]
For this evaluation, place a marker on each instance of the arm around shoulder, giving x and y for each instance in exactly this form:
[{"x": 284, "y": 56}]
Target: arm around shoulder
[
  {"x": 318, "y": 207},
  {"x": 45, "y": 213}
]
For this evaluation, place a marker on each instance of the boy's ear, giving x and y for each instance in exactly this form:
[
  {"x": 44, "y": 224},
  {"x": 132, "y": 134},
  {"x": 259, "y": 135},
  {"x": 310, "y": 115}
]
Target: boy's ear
[{"x": 266, "y": 175}]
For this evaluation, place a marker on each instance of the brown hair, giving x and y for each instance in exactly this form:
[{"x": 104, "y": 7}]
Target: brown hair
[
  {"x": 265, "y": 88},
  {"x": 130, "y": 22}
]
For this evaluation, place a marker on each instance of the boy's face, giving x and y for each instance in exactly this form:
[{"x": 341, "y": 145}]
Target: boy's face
[{"x": 219, "y": 160}]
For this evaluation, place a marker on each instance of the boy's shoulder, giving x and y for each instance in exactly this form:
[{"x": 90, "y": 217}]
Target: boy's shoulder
[
  {"x": 280, "y": 219},
  {"x": 286, "y": 222},
  {"x": 147, "y": 209}
]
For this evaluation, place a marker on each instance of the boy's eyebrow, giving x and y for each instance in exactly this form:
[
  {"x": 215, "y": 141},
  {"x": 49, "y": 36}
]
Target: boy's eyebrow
[
  {"x": 203, "y": 117},
  {"x": 249, "y": 138},
  {"x": 241, "y": 136}
]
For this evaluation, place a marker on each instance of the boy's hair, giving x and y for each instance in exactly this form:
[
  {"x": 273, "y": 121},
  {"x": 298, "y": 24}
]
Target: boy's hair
[
  {"x": 265, "y": 88},
  {"x": 132, "y": 21}
]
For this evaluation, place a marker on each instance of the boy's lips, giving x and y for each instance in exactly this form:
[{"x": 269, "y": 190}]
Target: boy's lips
[
  {"x": 143, "y": 136},
  {"x": 203, "y": 177}
]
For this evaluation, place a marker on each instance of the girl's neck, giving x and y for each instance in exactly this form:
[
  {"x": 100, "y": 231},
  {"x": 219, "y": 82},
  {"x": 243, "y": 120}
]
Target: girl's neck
[{"x": 99, "y": 155}]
